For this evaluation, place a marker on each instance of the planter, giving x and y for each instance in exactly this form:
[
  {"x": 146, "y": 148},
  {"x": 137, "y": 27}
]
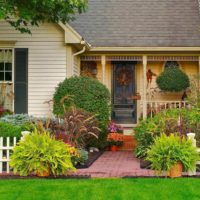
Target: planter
[
  {"x": 44, "y": 174},
  {"x": 113, "y": 148},
  {"x": 176, "y": 170}
]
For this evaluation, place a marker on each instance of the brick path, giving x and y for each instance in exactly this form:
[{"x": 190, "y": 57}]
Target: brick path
[{"x": 116, "y": 164}]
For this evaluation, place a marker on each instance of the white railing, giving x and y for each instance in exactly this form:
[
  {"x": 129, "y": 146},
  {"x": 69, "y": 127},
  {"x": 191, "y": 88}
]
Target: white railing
[
  {"x": 154, "y": 107},
  {"x": 6, "y": 146}
]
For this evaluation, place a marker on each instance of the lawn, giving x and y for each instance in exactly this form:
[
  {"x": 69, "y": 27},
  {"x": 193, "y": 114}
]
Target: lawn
[{"x": 100, "y": 189}]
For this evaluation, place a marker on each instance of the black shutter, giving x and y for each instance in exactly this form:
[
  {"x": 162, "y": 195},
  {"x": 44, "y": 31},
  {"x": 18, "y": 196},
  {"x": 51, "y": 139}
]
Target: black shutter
[{"x": 21, "y": 80}]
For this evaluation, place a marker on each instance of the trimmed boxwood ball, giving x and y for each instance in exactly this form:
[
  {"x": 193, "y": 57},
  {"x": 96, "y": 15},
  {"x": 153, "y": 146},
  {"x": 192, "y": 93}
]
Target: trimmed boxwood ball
[
  {"x": 88, "y": 94},
  {"x": 173, "y": 80}
]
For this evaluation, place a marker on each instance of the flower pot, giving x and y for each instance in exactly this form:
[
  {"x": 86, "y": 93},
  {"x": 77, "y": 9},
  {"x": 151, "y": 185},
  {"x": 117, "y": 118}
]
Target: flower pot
[
  {"x": 44, "y": 174},
  {"x": 176, "y": 170},
  {"x": 113, "y": 148}
]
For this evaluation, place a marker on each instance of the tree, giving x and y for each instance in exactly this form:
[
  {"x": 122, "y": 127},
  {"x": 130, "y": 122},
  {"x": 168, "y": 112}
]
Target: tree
[{"x": 22, "y": 14}]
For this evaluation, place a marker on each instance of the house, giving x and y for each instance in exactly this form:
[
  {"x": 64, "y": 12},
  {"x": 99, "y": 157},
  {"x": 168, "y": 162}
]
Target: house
[{"x": 117, "y": 42}]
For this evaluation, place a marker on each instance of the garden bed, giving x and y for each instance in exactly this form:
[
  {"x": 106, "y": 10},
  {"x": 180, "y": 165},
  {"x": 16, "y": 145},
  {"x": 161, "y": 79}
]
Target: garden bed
[
  {"x": 72, "y": 176},
  {"x": 92, "y": 157}
]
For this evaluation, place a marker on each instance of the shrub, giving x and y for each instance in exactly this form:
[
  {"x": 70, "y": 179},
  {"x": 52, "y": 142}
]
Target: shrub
[
  {"x": 87, "y": 94},
  {"x": 167, "y": 121},
  {"x": 40, "y": 153},
  {"x": 79, "y": 126},
  {"x": 168, "y": 150},
  {"x": 24, "y": 121},
  {"x": 10, "y": 130},
  {"x": 173, "y": 80}
]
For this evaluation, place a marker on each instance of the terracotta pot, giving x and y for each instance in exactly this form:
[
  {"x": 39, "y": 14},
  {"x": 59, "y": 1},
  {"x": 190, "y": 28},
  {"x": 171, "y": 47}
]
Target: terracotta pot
[
  {"x": 44, "y": 174},
  {"x": 113, "y": 148},
  {"x": 176, "y": 170}
]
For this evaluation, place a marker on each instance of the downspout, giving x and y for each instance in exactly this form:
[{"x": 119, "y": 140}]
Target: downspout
[{"x": 76, "y": 54}]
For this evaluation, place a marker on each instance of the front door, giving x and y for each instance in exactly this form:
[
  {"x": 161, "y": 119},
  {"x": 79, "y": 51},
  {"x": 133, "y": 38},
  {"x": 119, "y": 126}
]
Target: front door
[{"x": 123, "y": 88}]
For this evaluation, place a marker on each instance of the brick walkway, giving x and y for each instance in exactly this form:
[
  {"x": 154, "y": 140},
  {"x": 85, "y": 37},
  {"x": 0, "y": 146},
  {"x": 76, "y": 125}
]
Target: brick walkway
[{"x": 116, "y": 164}]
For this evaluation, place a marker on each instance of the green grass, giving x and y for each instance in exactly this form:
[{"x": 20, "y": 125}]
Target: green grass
[{"x": 100, "y": 189}]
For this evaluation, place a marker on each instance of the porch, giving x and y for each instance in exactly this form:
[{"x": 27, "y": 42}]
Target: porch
[{"x": 143, "y": 98}]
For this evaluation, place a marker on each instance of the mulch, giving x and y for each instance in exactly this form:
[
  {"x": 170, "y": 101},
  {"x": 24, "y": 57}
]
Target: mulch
[{"x": 74, "y": 176}]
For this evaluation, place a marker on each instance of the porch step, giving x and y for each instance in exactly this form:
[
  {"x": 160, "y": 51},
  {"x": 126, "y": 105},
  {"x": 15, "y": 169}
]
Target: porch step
[{"x": 129, "y": 142}]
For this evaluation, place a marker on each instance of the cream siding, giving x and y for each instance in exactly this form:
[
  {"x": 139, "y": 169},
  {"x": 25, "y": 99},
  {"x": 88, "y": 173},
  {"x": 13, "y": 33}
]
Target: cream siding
[{"x": 46, "y": 61}]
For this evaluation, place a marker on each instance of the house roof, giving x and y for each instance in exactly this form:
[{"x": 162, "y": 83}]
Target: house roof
[{"x": 140, "y": 23}]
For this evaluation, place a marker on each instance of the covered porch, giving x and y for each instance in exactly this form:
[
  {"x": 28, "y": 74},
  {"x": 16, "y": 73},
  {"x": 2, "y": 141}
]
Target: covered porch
[{"x": 134, "y": 94}]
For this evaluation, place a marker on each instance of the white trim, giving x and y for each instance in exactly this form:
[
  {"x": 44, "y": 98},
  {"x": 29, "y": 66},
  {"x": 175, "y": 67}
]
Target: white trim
[
  {"x": 144, "y": 49},
  {"x": 144, "y": 62},
  {"x": 72, "y": 36}
]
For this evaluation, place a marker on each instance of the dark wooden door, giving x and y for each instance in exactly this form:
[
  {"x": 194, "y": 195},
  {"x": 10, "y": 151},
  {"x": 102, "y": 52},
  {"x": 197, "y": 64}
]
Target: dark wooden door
[{"x": 123, "y": 88}]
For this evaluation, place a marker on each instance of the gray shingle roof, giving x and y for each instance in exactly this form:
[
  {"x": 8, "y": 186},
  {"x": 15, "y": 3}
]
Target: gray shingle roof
[{"x": 140, "y": 23}]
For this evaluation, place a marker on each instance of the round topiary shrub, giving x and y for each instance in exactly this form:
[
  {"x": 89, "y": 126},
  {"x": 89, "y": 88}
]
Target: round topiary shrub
[
  {"x": 173, "y": 80},
  {"x": 86, "y": 93}
]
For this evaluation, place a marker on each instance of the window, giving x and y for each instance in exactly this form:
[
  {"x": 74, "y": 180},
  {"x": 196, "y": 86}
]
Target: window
[
  {"x": 6, "y": 65},
  {"x": 171, "y": 64},
  {"x": 6, "y": 80}
]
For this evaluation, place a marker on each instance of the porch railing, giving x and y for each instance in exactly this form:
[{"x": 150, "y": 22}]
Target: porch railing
[{"x": 154, "y": 107}]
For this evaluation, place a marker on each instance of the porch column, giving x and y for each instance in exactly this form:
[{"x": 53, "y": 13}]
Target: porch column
[
  {"x": 199, "y": 66},
  {"x": 103, "y": 65},
  {"x": 144, "y": 105}
]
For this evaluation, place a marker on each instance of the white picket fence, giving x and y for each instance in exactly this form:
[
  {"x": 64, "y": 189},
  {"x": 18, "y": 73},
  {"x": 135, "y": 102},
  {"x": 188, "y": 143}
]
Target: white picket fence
[{"x": 6, "y": 146}]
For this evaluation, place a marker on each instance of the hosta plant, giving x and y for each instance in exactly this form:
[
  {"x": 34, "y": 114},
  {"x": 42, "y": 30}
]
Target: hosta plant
[
  {"x": 169, "y": 150},
  {"x": 39, "y": 153},
  {"x": 80, "y": 157}
]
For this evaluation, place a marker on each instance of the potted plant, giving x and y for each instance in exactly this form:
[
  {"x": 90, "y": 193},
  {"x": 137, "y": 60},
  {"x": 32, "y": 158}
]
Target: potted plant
[
  {"x": 172, "y": 154},
  {"x": 114, "y": 144},
  {"x": 39, "y": 153},
  {"x": 114, "y": 128}
]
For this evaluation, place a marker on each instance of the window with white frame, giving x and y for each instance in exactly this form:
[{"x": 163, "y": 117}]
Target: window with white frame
[
  {"x": 6, "y": 79},
  {"x": 6, "y": 65}
]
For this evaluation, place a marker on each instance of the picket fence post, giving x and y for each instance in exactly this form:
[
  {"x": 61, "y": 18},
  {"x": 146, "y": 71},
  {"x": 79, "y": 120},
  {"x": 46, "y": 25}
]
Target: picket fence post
[{"x": 191, "y": 136}]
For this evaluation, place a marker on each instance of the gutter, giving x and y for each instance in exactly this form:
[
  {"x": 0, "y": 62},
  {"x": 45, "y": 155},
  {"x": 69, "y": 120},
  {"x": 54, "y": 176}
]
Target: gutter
[{"x": 78, "y": 53}]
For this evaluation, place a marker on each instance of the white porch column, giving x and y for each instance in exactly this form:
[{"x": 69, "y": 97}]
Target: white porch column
[
  {"x": 144, "y": 61},
  {"x": 199, "y": 66},
  {"x": 103, "y": 64}
]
